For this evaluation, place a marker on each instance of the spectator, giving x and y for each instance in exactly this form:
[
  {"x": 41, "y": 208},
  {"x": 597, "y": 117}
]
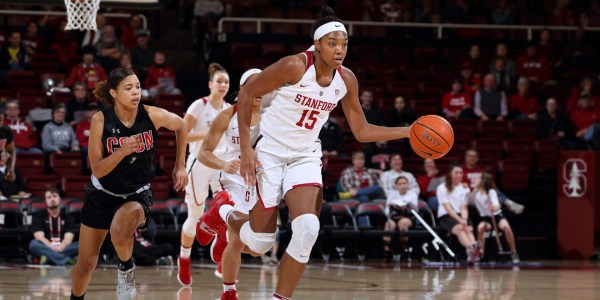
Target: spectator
[
  {"x": 472, "y": 175},
  {"x": 372, "y": 112},
  {"x": 502, "y": 77},
  {"x": 398, "y": 206},
  {"x": 486, "y": 201},
  {"x": 586, "y": 120},
  {"x": 359, "y": 182},
  {"x": 58, "y": 136},
  {"x": 82, "y": 131},
  {"x": 377, "y": 155},
  {"x": 109, "y": 49},
  {"x": 78, "y": 106},
  {"x": 32, "y": 42},
  {"x": 456, "y": 104},
  {"x": 8, "y": 188},
  {"x": 64, "y": 44},
  {"x": 142, "y": 56},
  {"x": 388, "y": 178},
  {"x": 390, "y": 11},
  {"x": 471, "y": 82},
  {"x": 553, "y": 123},
  {"x": 7, "y": 144},
  {"x": 457, "y": 12},
  {"x": 533, "y": 66},
  {"x": 475, "y": 60},
  {"x": 562, "y": 15},
  {"x": 510, "y": 67},
  {"x": 54, "y": 233},
  {"x": 13, "y": 56},
  {"x": 490, "y": 103},
  {"x": 128, "y": 33},
  {"x": 424, "y": 11},
  {"x": 125, "y": 63},
  {"x": 546, "y": 49},
  {"x": 453, "y": 213},
  {"x": 160, "y": 78},
  {"x": 332, "y": 139},
  {"x": 145, "y": 250},
  {"x": 25, "y": 138},
  {"x": 429, "y": 181},
  {"x": 503, "y": 13},
  {"x": 580, "y": 53},
  {"x": 401, "y": 115},
  {"x": 523, "y": 105},
  {"x": 586, "y": 86},
  {"x": 206, "y": 15},
  {"x": 91, "y": 37},
  {"x": 87, "y": 72}
]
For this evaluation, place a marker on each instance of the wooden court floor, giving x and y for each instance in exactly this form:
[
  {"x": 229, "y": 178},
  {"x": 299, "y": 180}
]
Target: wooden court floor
[{"x": 548, "y": 280}]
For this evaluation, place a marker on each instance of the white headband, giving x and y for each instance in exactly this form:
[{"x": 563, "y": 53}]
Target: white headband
[
  {"x": 247, "y": 75},
  {"x": 326, "y": 29}
]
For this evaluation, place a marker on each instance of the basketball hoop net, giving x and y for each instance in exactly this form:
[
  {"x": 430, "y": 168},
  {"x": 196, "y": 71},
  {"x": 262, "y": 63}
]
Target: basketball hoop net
[{"x": 81, "y": 14}]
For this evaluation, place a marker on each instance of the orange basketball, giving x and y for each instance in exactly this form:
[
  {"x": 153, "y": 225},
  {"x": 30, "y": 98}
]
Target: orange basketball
[{"x": 431, "y": 136}]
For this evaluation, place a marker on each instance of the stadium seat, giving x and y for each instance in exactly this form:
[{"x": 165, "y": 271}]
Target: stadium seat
[
  {"x": 31, "y": 164},
  {"x": 22, "y": 80},
  {"x": 11, "y": 215},
  {"x": 44, "y": 63},
  {"x": 167, "y": 163},
  {"x": 29, "y": 99},
  {"x": 342, "y": 217},
  {"x": 5, "y": 95},
  {"x": 65, "y": 164},
  {"x": 464, "y": 130},
  {"x": 172, "y": 103},
  {"x": 493, "y": 130},
  {"x": 515, "y": 176},
  {"x": 182, "y": 211},
  {"x": 373, "y": 215},
  {"x": 351, "y": 203},
  {"x": 38, "y": 185},
  {"x": 74, "y": 186},
  {"x": 37, "y": 206},
  {"x": 520, "y": 151},
  {"x": 160, "y": 187},
  {"x": 74, "y": 210},
  {"x": 547, "y": 155},
  {"x": 163, "y": 215},
  {"x": 61, "y": 97},
  {"x": 523, "y": 130},
  {"x": 489, "y": 149}
]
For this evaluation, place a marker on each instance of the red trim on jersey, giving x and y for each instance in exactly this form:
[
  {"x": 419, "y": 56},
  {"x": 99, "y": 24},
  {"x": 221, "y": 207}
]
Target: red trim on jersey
[
  {"x": 222, "y": 186},
  {"x": 194, "y": 189},
  {"x": 234, "y": 109},
  {"x": 205, "y": 100},
  {"x": 261, "y": 200},
  {"x": 340, "y": 70},
  {"x": 309, "y": 59},
  {"x": 307, "y": 184},
  {"x": 277, "y": 296}
]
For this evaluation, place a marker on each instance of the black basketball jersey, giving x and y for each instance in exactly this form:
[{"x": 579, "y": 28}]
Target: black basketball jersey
[
  {"x": 6, "y": 136},
  {"x": 136, "y": 169}
]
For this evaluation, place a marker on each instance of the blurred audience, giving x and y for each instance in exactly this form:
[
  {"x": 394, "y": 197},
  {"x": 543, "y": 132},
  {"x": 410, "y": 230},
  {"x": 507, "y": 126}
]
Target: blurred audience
[
  {"x": 142, "y": 56},
  {"x": 503, "y": 13},
  {"x": 58, "y": 135},
  {"x": 146, "y": 251},
  {"x": 160, "y": 78},
  {"x": 25, "y": 137},
  {"x": 391, "y": 11},
  {"x": 78, "y": 106},
  {"x": 13, "y": 56},
  {"x": 64, "y": 44},
  {"x": 491, "y": 103},
  {"x": 91, "y": 37},
  {"x": 474, "y": 59},
  {"x": 586, "y": 87},
  {"x": 471, "y": 82},
  {"x": 359, "y": 182},
  {"x": 401, "y": 114},
  {"x": 580, "y": 53},
  {"x": 523, "y": 105},
  {"x": 553, "y": 123},
  {"x": 429, "y": 181},
  {"x": 586, "y": 121},
  {"x": 388, "y": 178},
  {"x": 533, "y": 65},
  {"x": 371, "y": 110},
  {"x": 332, "y": 139},
  {"x": 510, "y": 67},
  {"x": 398, "y": 206},
  {"x": 32, "y": 42},
  {"x": 562, "y": 15},
  {"x": 424, "y": 11},
  {"x": 503, "y": 79},
  {"x": 377, "y": 155},
  {"x": 87, "y": 71},
  {"x": 7, "y": 144},
  {"x": 128, "y": 38},
  {"x": 109, "y": 49},
  {"x": 457, "y": 104}
]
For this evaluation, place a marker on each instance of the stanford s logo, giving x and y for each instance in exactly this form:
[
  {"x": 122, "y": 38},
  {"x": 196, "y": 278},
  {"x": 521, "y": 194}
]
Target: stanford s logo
[{"x": 574, "y": 174}]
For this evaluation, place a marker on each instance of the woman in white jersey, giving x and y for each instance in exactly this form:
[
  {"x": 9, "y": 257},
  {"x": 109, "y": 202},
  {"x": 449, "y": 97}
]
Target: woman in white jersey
[
  {"x": 199, "y": 117},
  {"x": 486, "y": 201},
  {"x": 398, "y": 205},
  {"x": 308, "y": 86},
  {"x": 453, "y": 212},
  {"x": 232, "y": 183}
]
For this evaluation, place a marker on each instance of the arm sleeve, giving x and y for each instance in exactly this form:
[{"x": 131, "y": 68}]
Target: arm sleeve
[
  {"x": 494, "y": 197},
  {"x": 477, "y": 107},
  {"x": 442, "y": 194},
  {"x": 414, "y": 200},
  {"x": 414, "y": 185}
]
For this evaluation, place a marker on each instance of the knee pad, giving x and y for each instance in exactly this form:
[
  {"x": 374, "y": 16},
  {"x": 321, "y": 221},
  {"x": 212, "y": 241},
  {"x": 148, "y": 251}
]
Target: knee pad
[
  {"x": 257, "y": 242},
  {"x": 194, "y": 214},
  {"x": 305, "y": 231}
]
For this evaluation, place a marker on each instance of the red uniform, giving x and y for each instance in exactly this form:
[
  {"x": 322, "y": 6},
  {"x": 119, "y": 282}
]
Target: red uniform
[
  {"x": 524, "y": 104},
  {"x": 23, "y": 133},
  {"x": 456, "y": 102},
  {"x": 88, "y": 74}
]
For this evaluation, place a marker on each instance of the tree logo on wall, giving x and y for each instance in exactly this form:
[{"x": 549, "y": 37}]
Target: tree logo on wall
[{"x": 574, "y": 174}]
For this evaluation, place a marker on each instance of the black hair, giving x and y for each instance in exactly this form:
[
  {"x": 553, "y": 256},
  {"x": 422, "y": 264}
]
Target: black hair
[
  {"x": 456, "y": 80},
  {"x": 214, "y": 68},
  {"x": 448, "y": 178},
  {"x": 400, "y": 177},
  {"x": 325, "y": 16},
  {"x": 88, "y": 50},
  {"x": 58, "y": 106},
  {"x": 102, "y": 91}
]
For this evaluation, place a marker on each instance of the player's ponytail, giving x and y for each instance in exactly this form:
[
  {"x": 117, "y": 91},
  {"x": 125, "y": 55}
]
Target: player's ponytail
[
  {"x": 325, "y": 16},
  {"x": 214, "y": 68},
  {"x": 102, "y": 91}
]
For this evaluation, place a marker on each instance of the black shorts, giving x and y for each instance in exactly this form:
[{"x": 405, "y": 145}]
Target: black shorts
[
  {"x": 99, "y": 208},
  {"x": 397, "y": 214},
  {"x": 447, "y": 222},
  {"x": 498, "y": 218}
]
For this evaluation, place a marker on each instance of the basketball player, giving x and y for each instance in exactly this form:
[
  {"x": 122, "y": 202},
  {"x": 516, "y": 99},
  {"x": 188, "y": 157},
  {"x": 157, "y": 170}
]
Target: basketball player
[
  {"x": 227, "y": 247},
  {"x": 198, "y": 119},
  {"x": 121, "y": 154},
  {"x": 308, "y": 87}
]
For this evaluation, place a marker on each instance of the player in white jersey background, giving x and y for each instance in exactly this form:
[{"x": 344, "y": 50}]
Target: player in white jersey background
[
  {"x": 308, "y": 86},
  {"x": 199, "y": 117},
  {"x": 227, "y": 246}
]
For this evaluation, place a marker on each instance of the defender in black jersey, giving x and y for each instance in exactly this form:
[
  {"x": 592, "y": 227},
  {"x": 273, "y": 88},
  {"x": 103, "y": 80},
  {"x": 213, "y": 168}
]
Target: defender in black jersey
[{"x": 121, "y": 152}]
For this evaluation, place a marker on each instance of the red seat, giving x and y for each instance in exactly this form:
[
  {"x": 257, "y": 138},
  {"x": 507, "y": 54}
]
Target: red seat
[
  {"x": 167, "y": 163},
  {"x": 5, "y": 96},
  {"x": 22, "y": 80},
  {"x": 520, "y": 151},
  {"x": 38, "y": 185},
  {"x": 172, "y": 103},
  {"x": 31, "y": 164},
  {"x": 490, "y": 150},
  {"x": 515, "y": 176},
  {"x": 547, "y": 155},
  {"x": 524, "y": 130},
  {"x": 464, "y": 130},
  {"x": 65, "y": 164},
  {"x": 74, "y": 186},
  {"x": 160, "y": 187},
  {"x": 166, "y": 142},
  {"x": 290, "y": 29},
  {"x": 61, "y": 97},
  {"x": 29, "y": 99},
  {"x": 493, "y": 130},
  {"x": 42, "y": 63}
]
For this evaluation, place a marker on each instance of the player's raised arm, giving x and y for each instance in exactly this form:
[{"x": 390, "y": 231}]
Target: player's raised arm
[
  {"x": 362, "y": 130},
  {"x": 287, "y": 70}
]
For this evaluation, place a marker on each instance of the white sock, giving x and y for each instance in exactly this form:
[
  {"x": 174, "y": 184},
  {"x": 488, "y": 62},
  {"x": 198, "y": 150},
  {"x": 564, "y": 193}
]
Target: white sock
[
  {"x": 185, "y": 252},
  {"x": 224, "y": 210},
  {"x": 228, "y": 287}
]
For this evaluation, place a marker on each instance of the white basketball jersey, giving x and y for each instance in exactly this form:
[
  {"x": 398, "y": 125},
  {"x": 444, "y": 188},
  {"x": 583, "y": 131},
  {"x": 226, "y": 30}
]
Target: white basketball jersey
[
  {"x": 299, "y": 111},
  {"x": 205, "y": 114},
  {"x": 232, "y": 135}
]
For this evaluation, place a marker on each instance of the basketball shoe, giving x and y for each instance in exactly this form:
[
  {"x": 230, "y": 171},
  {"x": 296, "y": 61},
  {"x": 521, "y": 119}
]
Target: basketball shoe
[
  {"x": 184, "y": 274},
  {"x": 218, "y": 245},
  {"x": 210, "y": 222},
  {"x": 229, "y": 295},
  {"x": 126, "y": 284}
]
